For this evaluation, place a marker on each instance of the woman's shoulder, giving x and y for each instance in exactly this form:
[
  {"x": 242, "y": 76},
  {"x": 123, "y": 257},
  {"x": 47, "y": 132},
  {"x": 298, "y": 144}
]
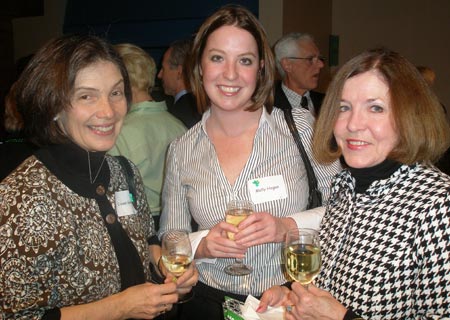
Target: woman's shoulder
[
  {"x": 30, "y": 169},
  {"x": 425, "y": 174},
  {"x": 121, "y": 164},
  {"x": 303, "y": 118},
  {"x": 29, "y": 185},
  {"x": 190, "y": 138}
]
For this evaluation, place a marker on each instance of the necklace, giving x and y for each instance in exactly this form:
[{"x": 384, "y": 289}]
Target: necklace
[{"x": 90, "y": 171}]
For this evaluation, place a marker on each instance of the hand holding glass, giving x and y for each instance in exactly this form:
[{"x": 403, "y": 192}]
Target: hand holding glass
[
  {"x": 176, "y": 256},
  {"x": 302, "y": 255},
  {"x": 237, "y": 211}
]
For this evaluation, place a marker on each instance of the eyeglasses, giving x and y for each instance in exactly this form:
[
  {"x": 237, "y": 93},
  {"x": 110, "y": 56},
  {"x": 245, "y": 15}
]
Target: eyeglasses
[{"x": 311, "y": 60}]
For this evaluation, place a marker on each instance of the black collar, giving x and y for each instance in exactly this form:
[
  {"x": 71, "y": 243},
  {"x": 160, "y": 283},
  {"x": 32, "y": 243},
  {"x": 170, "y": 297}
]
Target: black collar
[
  {"x": 69, "y": 163},
  {"x": 365, "y": 176}
]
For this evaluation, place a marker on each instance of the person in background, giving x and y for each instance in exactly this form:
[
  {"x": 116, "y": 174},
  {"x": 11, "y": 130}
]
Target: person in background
[
  {"x": 298, "y": 62},
  {"x": 241, "y": 149},
  {"x": 74, "y": 246},
  {"x": 148, "y": 127},
  {"x": 385, "y": 236},
  {"x": 16, "y": 147},
  {"x": 174, "y": 82},
  {"x": 430, "y": 76}
]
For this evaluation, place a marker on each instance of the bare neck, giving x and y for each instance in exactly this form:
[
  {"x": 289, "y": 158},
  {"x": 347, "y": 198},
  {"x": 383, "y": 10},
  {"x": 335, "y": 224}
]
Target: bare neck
[
  {"x": 140, "y": 96},
  {"x": 291, "y": 85},
  {"x": 232, "y": 123}
]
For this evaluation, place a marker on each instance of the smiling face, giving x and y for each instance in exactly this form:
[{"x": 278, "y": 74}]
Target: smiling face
[
  {"x": 365, "y": 129},
  {"x": 98, "y": 107},
  {"x": 229, "y": 68}
]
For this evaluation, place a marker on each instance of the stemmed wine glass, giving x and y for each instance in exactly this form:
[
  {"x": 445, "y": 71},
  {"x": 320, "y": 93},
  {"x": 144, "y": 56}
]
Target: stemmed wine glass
[
  {"x": 176, "y": 255},
  {"x": 237, "y": 211},
  {"x": 302, "y": 255}
]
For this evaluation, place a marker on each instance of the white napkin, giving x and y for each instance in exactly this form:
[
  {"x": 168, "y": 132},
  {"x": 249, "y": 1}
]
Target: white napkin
[{"x": 251, "y": 304}]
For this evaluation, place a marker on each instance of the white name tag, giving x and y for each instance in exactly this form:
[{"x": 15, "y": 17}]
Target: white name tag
[
  {"x": 267, "y": 189},
  {"x": 124, "y": 203}
]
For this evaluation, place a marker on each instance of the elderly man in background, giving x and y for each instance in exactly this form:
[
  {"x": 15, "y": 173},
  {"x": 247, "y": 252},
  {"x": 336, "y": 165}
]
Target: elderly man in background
[{"x": 298, "y": 62}]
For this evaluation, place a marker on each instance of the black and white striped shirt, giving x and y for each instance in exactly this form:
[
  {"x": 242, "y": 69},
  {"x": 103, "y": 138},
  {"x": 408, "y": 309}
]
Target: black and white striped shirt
[{"x": 195, "y": 186}]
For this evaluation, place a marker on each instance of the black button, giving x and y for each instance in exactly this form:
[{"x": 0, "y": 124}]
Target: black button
[
  {"x": 100, "y": 190},
  {"x": 111, "y": 218}
]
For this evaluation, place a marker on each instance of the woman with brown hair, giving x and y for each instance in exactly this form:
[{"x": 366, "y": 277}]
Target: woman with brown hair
[
  {"x": 385, "y": 236},
  {"x": 74, "y": 244},
  {"x": 241, "y": 149}
]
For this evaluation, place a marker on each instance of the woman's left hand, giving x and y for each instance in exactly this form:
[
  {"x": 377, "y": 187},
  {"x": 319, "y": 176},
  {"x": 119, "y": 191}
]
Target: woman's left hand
[
  {"x": 262, "y": 227},
  {"x": 186, "y": 281},
  {"x": 313, "y": 303}
]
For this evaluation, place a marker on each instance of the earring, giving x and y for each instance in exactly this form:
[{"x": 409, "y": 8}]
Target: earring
[{"x": 55, "y": 118}]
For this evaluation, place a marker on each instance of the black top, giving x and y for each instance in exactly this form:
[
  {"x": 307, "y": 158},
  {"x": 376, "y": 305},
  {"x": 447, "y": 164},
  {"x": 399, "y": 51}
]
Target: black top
[
  {"x": 186, "y": 110},
  {"x": 365, "y": 176}
]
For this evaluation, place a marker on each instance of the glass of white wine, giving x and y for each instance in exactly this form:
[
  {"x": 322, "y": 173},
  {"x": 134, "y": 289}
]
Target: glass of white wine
[
  {"x": 237, "y": 211},
  {"x": 176, "y": 255},
  {"x": 302, "y": 255}
]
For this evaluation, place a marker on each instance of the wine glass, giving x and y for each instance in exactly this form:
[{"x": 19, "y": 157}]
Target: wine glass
[
  {"x": 302, "y": 255},
  {"x": 176, "y": 255},
  {"x": 237, "y": 211}
]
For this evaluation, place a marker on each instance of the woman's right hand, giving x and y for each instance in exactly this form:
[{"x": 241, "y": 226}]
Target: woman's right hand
[
  {"x": 143, "y": 301},
  {"x": 148, "y": 300},
  {"x": 217, "y": 245},
  {"x": 313, "y": 303},
  {"x": 186, "y": 281}
]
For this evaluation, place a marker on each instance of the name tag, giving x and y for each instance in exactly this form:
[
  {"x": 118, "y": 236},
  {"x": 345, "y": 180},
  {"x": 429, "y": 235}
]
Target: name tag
[
  {"x": 124, "y": 203},
  {"x": 267, "y": 189}
]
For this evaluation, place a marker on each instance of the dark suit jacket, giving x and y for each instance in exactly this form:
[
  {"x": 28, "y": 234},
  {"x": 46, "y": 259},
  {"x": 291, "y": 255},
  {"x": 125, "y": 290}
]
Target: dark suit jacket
[
  {"x": 185, "y": 109},
  {"x": 282, "y": 102}
]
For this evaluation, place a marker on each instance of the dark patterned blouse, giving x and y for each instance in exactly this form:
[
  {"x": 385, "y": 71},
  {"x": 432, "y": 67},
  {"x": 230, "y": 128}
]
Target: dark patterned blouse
[
  {"x": 386, "y": 251},
  {"x": 55, "y": 249}
]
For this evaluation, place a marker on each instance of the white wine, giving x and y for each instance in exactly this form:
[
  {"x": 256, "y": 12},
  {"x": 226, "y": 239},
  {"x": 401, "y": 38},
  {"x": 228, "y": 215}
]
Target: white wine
[
  {"x": 236, "y": 216},
  {"x": 303, "y": 262},
  {"x": 177, "y": 264}
]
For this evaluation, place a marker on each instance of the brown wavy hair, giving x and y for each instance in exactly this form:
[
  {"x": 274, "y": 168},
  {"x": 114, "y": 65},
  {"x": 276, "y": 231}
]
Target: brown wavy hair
[
  {"x": 424, "y": 133},
  {"x": 238, "y": 16},
  {"x": 45, "y": 87}
]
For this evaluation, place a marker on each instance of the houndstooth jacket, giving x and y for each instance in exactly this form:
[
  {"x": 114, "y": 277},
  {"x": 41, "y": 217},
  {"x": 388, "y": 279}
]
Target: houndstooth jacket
[{"x": 386, "y": 252}]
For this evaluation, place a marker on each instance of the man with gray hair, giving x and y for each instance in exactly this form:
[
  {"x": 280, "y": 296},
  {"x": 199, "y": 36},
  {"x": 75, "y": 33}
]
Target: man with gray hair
[
  {"x": 174, "y": 82},
  {"x": 298, "y": 62}
]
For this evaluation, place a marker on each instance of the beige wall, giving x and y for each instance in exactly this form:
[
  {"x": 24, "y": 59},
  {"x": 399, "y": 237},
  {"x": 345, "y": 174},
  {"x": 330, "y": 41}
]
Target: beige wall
[
  {"x": 281, "y": 17},
  {"x": 417, "y": 29},
  {"x": 420, "y": 30},
  {"x": 271, "y": 16}
]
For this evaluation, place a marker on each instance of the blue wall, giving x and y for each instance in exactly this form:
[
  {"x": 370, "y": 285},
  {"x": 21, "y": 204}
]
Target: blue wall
[{"x": 150, "y": 24}]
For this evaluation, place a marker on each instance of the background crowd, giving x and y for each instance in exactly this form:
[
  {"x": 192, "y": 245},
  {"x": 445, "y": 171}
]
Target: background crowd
[{"x": 81, "y": 228}]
